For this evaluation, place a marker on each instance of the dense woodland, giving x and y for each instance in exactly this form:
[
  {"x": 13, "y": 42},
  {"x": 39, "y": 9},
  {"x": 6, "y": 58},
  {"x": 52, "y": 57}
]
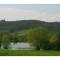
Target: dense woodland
[
  {"x": 13, "y": 26},
  {"x": 42, "y": 35}
]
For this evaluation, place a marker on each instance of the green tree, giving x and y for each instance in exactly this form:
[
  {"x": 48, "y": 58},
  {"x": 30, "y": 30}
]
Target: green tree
[
  {"x": 53, "y": 41},
  {"x": 58, "y": 41},
  {"x": 38, "y": 37},
  {"x": 19, "y": 37},
  {"x": 14, "y": 38},
  {"x": 6, "y": 40},
  {"x": 0, "y": 38}
]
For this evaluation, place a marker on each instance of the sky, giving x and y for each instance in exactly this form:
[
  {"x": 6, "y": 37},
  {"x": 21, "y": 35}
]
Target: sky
[{"x": 43, "y": 12}]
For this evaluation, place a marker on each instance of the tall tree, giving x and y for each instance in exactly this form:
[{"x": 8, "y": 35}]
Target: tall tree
[
  {"x": 6, "y": 40},
  {"x": 38, "y": 37},
  {"x": 0, "y": 38},
  {"x": 53, "y": 41}
]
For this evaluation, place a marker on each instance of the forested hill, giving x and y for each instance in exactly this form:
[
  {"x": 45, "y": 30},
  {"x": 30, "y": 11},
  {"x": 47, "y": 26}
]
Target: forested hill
[{"x": 13, "y": 26}]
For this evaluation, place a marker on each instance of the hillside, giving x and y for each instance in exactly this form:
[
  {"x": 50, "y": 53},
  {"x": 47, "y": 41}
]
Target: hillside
[{"x": 13, "y": 26}]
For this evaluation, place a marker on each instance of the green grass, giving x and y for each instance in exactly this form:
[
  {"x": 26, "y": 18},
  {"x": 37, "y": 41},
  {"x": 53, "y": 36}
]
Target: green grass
[{"x": 28, "y": 53}]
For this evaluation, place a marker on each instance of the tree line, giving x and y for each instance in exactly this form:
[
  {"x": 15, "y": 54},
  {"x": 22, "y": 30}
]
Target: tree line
[{"x": 39, "y": 37}]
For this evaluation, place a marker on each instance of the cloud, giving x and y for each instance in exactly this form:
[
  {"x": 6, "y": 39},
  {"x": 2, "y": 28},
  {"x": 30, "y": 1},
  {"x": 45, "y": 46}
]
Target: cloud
[
  {"x": 44, "y": 16},
  {"x": 15, "y": 14},
  {"x": 20, "y": 14}
]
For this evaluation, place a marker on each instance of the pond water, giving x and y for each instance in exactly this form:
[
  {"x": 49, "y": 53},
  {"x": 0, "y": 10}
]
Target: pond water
[{"x": 22, "y": 45}]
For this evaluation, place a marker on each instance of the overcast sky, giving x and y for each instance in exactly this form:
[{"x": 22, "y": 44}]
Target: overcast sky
[{"x": 42, "y": 12}]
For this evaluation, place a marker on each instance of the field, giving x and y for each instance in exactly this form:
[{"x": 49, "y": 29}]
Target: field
[{"x": 28, "y": 53}]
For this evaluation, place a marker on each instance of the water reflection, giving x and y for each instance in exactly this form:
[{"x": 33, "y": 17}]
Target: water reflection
[{"x": 21, "y": 46}]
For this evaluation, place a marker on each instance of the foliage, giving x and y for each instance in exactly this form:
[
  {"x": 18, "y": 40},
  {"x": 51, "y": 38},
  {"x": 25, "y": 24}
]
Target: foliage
[
  {"x": 6, "y": 52},
  {"x": 15, "y": 26},
  {"x": 38, "y": 37},
  {"x": 5, "y": 40}
]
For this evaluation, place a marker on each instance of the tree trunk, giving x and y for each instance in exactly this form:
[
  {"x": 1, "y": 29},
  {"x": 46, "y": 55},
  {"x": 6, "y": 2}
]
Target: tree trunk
[
  {"x": 38, "y": 48},
  {"x": 0, "y": 45},
  {"x": 5, "y": 46}
]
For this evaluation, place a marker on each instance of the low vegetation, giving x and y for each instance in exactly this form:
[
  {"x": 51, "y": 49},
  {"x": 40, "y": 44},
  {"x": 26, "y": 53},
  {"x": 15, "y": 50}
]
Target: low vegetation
[
  {"x": 5, "y": 52},
  {"x": 39, "y": 37}
]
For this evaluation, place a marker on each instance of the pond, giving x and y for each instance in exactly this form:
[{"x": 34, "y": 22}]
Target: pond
[{"x": 20, "y": 45}]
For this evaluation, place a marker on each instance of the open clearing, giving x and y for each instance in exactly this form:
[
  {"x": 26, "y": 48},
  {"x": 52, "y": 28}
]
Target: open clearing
[{"x": 28, "y": 53}]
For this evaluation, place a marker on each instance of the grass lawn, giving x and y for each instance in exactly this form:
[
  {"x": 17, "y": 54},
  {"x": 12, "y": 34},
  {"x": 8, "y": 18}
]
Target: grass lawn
[{"x": 28, "y": 53}]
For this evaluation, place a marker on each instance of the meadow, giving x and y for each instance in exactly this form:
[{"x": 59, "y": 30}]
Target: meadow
[{"x": 6, "y": 52}]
